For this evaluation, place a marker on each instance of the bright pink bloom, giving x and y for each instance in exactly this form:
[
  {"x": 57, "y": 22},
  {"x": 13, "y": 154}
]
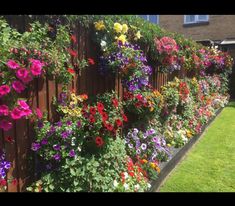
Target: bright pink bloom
[
  {"x": 16, "y": 113},
  {"x": 4, "y": 89},
  {"x": 28, "y": 79},
  {"x": 39, "y": 113},
  {"x": 36, "y": 67},
  {"x": 22, "y": 73},
  {"x": 166, "y": 44},
  {"x": 18, "y": 86},
  {"x": 12, "y": 64},
  {"x": 4, "y": 110},
  {"x": 5, "y": 125},
  {"x": 26, "y": 112},
  {"x": 23, "y": 104}
]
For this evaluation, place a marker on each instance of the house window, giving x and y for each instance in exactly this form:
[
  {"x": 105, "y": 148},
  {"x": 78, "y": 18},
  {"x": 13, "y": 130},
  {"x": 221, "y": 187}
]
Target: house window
[
  {"x": 194, "y": 19},
  {"x": 152, "y": 18}
]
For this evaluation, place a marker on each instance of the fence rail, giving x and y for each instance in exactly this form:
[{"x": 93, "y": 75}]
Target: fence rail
[{"x": 40, "y": 94}]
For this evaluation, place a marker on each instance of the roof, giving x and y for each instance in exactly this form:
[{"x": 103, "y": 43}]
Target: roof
[{"x": 227, "y": 41}]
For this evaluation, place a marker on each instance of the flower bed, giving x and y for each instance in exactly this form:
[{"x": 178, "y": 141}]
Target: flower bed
[{"x": 100, "y": 143}]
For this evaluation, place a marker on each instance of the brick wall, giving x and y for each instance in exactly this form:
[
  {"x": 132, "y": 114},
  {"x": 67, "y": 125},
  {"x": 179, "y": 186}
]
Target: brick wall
[{"x": 219, "y": 27}]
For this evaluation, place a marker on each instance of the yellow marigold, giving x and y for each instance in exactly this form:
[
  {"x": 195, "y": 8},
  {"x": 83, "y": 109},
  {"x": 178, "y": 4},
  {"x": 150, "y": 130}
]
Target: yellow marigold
[
  {"x": 157, "y": 169},
  {"x": 99, "y": 25},
  {"x": 189, "y": 134},
  {"x": 117, "y": 27},
  {"x": 122, "y": 38},
  {"x": 124, "y": 28},
  {"x": 153, "y": 165}
]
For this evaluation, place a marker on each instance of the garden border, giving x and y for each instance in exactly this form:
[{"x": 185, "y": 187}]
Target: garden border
[{"x": 167, "y": 167}]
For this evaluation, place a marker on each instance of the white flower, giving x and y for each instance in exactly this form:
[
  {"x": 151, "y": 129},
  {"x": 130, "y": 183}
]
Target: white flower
[
  {"x": 126, "y": 186},
  {"x": 149, "y": 185},
  {"x": 115, "y": 183},
  {"x": 137, "y": 187},
  {"x": 125, "y": 175},
  {"x": 103, "y": 43}
]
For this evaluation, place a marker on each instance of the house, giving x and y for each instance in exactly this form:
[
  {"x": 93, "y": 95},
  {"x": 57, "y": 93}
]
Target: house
[{"x": 206, "y": 29}]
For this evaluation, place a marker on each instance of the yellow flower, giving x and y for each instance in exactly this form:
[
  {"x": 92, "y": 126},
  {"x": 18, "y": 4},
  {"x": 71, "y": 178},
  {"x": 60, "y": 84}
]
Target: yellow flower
[
  {"x": 99, "y": 25},
  {"x": 145, "y": 161},
  {"x": 189, "y": 134},
  {"x": 122, "y": 38},
  {"x": 117, "y": 27},
  {"x": 124, "y": 28},
  {"x": 138, "y": 35},
  {"x": 157, "y": 169},
  {"x": 151, "y": 109},
  {"x": 153, "y": 165}
]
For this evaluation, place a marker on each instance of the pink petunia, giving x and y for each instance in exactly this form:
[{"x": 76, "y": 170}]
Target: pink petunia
[
  {"x": 39, "y": 113},
  {"x": 12, "y": 64},
  {"x": 4, "y": 89},
  {"x": 18, "y": 86},
  {"x": 22, "y": 73},
  {"x": 5, "y": 125},
  {"x": 28, "y": 79},
  {"x": 4, "y": 110},
  {"x": 16, "y": 113},
  {"x": 36, "y": 67},
  {"x": 23, "y": 104},
  {"x": 26, "y": 112}
]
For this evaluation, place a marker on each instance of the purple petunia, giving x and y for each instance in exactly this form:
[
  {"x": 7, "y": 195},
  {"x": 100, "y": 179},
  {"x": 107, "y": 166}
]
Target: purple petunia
[
  {"x": 57, "y": 147},
  {"x": 71, "y": 153},
  {"x": 57, "y": 157},
  {"x": 69, "y": 123},
  {"x": 79, "y": 124},
  {"x": 44, "y": 141},
  {"x": 59, "y": 124},
  {"x": 40, "y": 124},
  {"x": 35, "y": 146}
]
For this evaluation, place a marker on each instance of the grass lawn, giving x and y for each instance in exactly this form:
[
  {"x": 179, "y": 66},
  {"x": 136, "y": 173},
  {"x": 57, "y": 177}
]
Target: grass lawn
[{"x": 210, "y": 165}]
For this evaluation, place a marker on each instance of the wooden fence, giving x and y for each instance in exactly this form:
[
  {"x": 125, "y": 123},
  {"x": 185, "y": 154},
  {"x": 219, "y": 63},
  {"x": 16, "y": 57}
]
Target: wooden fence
[{"x": 40, "y": 94}]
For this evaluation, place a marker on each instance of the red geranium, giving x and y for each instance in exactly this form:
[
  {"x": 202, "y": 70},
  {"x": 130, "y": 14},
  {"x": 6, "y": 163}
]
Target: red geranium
[
  {"x": 99, "y": 141},
  {"x": 73, "y": 38},
  {"x": 100, "y": 107},
  {"x": 72, "y": 52},
  {"x": 92, "y": 119},
  {"x": 104, "y": 116},
  {"x": 71, "y": 71},
  {"x": 3, "y": 182},
  {"x": 124, "y": 118},
  {"x": 92, "y": 110},
  {"x": 109, "y": 127},
  {"x": 115, "y": 102},
  {"x": 118, "y": 122},
  {"x": 91, "y": 61}
]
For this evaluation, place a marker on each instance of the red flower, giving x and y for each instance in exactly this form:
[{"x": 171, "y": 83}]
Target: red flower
[
  {"x": 109, "y": 127},
  {"x": 124, "y": 118},
  {"x": 9, "y": 139},
  {"x": 115, "y": 102},
  {"x": 91, "y": 119},
  {"x": 3, "y": 182},
  {"x": 72, "y": 52},
  {"x": 100, "y": 107},
  {"x": 14, "y": 182},
  {"x": 91, "y": 61},
  {"x": 139, "y": 97},
  {"x": 131, "y": 174},
  {"x": 71, "y": 71},
  {"x": 99, "y": 141},
  {"x": 138, "y": 105},
  {"x": 92, "y": 110},
  {"x": 73, "y": 38},
  {"x": 118, "y": 122},
  {"x": 104, "y": 116}
]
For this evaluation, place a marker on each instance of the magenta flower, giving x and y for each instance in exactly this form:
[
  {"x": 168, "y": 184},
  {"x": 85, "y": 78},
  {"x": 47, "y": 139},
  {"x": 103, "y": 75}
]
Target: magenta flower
[
  {"x": 23, "y": 104},
  {"x": 4, "y": 89},
  {"x": 26, "y": 112},
  {"x": 22, "y": 73},
  {"x": 27, "y": 79},
  {"x": 36, "y": 67},
  {"x": 12, "y": 64},
  {"x": 18, "y": 86},
  {"x": 39, "y": 113},
  {"x": 4, "y": 110},
  {"x": 5, "y": 125},
  {"x": 16, "y": 113}
]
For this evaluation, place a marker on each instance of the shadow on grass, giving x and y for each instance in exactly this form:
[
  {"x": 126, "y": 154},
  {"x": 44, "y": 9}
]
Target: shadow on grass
[{"x": 231, "y": 103}]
